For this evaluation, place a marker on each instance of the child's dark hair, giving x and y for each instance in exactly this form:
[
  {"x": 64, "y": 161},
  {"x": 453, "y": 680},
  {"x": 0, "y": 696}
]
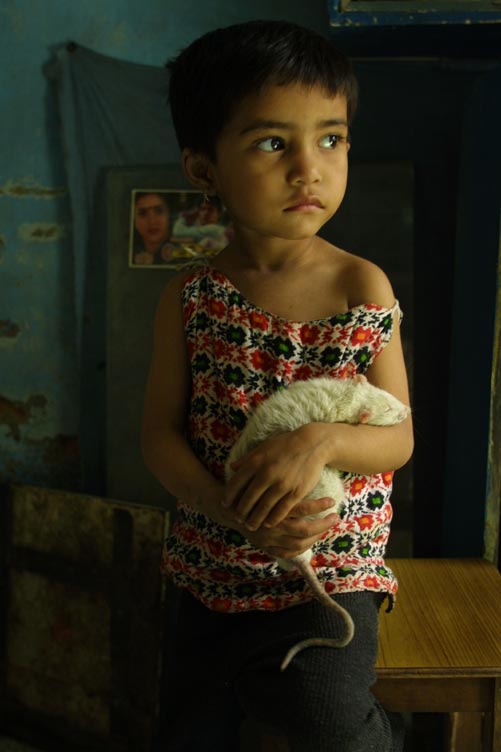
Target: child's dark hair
[{"x": 214, "y": 73}]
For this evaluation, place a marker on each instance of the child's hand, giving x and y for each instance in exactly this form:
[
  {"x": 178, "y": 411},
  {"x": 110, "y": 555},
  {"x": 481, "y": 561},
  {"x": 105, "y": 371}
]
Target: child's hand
[
  {"x": 274, "y": 477},
  {"x": 295, "y": 534}
]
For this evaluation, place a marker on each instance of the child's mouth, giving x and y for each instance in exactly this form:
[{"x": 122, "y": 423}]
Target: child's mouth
[{"x": 306, "y": 204}]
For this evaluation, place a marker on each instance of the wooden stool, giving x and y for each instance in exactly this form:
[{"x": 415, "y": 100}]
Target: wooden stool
[{"x": 440, "y": 649}]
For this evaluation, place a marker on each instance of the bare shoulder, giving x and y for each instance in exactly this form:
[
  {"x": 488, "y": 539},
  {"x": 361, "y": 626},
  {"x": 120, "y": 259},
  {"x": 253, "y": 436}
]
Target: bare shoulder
[
  {"x": 171, "y": 294},
  {"x": 175, "y": 285},
  {"x": 365, "y": 282}
]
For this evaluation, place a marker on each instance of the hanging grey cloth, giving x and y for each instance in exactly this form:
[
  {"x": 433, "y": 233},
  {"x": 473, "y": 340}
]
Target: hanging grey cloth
[{"x": 113, "y": 113}]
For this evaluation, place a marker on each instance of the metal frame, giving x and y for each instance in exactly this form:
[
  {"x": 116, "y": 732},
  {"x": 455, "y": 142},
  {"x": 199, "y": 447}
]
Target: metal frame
[{"x": 360, "y": 13}]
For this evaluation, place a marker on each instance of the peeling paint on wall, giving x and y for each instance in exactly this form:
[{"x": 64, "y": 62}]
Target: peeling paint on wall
[
  {"x": 52, "y": 461},
  {"x": 40, "y": 232},
  {"x": 9, "y": 329},
  {"x": 33, "y": 188},
  {"x": 61, "y": 448},
  {"x": 14, "y": 413},
  {"x": 29, "y": 188},
  {"x": 119, "y": 35}
]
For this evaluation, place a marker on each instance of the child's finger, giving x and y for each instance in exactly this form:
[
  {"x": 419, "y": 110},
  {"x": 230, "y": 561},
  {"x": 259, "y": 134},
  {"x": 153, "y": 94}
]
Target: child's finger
[
  {"x": 238, "y": 483},
  {"x": 256, "y": 503},
  {"x": 272, "y": 509},
  {"x": 299, "y": 535},
  {"x": 235, "y": 487},
  {"x": 306, "y": 528},
  {"x": 308, "y": 507},
  {"x": 319, "y": 510}
]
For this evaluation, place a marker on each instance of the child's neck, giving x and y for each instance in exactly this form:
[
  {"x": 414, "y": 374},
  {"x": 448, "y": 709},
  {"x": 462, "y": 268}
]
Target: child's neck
[
  {"x": 269, "y": 255},
  {"x": 298, "y": 281}
]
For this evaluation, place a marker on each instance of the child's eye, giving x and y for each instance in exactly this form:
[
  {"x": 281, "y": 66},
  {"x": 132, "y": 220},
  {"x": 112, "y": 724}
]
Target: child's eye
[
  {"x": 331, "y": 141},
  {"x": 274, "y": 143}
]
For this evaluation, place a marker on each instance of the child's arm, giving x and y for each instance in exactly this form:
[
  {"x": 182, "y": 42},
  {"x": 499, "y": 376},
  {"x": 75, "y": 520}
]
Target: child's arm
[
  {"x": 169, "y": 456},
  {"x": 272, "y": 478},
  {"x": 165, "y": 408}
]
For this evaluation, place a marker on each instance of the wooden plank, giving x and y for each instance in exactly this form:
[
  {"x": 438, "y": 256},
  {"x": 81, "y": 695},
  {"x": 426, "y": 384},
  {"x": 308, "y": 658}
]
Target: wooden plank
[
  {"x": 120, "y": 621},
  {"x": 494, "y": 721},
  {"x": 464, "y": 732},
  {"x": 59, "y": 569},
  {"x": 448, "y": 611},
  {"x": 435, "y": 695}
]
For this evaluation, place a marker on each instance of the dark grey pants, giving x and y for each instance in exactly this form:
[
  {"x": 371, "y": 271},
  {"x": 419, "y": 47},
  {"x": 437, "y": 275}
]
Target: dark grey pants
[{"x": 222, "y": 667}]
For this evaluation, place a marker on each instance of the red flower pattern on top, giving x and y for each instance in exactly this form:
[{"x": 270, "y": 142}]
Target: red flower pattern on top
[
  {"x": 258, "y": 321},
  {"x": 360, "y": 335},
  {"x": 261, "y": 360},
  {"x": 239, "y": 355},
  {"x": 309, "y": 334}
]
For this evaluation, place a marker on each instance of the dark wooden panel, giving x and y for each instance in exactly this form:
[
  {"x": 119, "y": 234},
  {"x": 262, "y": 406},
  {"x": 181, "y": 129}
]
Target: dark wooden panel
[
  {"x": 435, "y": 695},
  {"x": 80, "y": 620}
]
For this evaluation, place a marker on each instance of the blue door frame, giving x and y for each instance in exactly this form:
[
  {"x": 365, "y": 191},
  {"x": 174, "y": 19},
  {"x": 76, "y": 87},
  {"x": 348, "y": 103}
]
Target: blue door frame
[{"x": 353, "y": 13}]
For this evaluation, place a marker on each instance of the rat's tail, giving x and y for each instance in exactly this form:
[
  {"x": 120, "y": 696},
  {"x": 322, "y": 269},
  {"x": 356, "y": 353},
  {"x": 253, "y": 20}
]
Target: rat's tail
[
  {"x": 323, "y": 641},
  {"x": 310, "y": 576}
]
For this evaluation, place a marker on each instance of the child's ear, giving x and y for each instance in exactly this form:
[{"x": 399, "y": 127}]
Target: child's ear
[{"x": 198, "y": 169}]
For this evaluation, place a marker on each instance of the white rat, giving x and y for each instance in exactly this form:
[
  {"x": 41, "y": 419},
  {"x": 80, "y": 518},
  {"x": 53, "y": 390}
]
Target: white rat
[{"x": 318, "y": 400}]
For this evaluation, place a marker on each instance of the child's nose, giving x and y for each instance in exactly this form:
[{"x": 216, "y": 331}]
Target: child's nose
[{"x": 304, "y": 168}]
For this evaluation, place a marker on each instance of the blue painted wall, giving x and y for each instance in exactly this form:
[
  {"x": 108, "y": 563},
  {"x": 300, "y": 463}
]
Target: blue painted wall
[{"x": 38, "y": 365}]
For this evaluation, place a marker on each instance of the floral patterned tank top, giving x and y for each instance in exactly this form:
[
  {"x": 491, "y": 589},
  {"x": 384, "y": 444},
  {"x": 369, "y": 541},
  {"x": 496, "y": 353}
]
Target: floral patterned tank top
[{"x": 239, "y": 354}]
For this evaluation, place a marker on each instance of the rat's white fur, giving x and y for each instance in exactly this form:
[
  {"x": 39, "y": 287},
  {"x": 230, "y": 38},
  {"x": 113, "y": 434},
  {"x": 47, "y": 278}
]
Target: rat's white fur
[{"x": 319, "y": 400}]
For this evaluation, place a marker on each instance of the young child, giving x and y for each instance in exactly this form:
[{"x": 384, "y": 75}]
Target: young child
[{"x": 262, "y": 113}]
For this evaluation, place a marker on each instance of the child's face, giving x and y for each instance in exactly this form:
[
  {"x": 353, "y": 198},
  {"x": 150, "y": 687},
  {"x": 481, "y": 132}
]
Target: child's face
[{"x": 282, "y": 162}]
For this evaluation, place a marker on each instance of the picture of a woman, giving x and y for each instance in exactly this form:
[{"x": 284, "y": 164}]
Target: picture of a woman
[{"x": 151, "y": 229}]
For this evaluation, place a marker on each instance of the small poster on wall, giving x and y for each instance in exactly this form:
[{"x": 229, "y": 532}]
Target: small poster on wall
[{"x": 171, "y": 228}]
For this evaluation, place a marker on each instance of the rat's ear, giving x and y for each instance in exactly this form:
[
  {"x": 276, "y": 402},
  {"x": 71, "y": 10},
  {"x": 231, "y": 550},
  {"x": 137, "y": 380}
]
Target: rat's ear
[{"x": 198, "y": 169}]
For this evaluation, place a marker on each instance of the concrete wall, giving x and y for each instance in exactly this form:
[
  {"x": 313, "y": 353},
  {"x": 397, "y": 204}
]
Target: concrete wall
[{"x": 38, "y": 366}]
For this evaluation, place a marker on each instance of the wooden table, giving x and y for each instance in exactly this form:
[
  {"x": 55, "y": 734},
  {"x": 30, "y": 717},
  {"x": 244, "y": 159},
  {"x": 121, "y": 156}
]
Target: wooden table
[{"x": 440, "y": 649}]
